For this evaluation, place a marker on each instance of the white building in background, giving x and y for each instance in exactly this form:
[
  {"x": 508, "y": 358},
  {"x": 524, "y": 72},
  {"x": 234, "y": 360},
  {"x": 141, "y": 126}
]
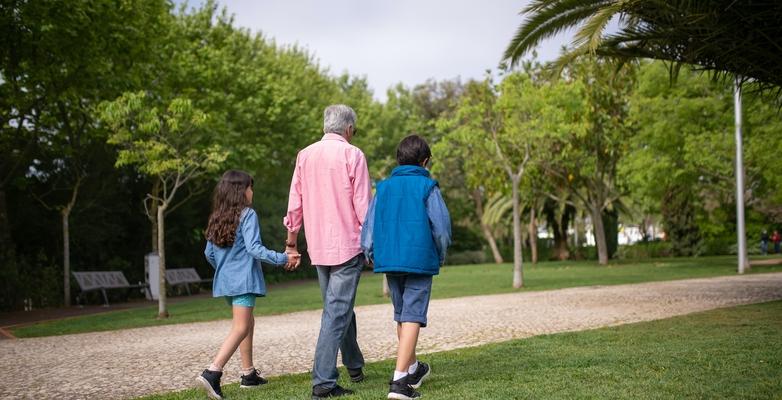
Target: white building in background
[{"x": 628, "y": 234}]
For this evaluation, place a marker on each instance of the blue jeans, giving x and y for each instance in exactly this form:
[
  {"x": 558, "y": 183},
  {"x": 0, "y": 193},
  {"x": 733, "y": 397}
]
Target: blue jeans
[{"x": 338, "y": 322}]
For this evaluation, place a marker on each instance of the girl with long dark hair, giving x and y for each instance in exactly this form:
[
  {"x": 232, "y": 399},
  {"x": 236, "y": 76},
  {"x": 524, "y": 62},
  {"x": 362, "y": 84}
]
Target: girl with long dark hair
[{"x": 234, "y": 248}]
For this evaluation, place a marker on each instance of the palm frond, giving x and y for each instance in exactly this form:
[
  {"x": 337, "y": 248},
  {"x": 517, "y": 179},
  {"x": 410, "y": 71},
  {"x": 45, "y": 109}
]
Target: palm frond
[
  {"x": 591, "y": 34},
  {"x": 548, "y": 21},
  {"x": 497, "y": 209},
  {"x": 728, "y": 38}
]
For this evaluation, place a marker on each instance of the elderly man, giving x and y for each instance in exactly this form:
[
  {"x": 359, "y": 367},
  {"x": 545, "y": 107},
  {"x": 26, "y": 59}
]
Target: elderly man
[{"x": 330, "y": 192}]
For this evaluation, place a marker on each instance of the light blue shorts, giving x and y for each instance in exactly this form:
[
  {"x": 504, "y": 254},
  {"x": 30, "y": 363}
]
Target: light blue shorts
[{"x": 243, "y": 300}]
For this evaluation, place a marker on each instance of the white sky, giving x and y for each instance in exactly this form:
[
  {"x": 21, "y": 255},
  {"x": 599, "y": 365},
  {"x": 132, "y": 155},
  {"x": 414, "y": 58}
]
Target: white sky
[{"x": 391, "y": 41}]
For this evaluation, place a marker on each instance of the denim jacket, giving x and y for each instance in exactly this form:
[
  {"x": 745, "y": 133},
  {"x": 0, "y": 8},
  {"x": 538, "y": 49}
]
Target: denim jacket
[{"x": 237, "y": 270}]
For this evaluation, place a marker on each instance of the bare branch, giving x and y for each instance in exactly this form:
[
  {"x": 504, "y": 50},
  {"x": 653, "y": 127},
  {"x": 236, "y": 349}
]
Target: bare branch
[{"x": 191, "y": 193}]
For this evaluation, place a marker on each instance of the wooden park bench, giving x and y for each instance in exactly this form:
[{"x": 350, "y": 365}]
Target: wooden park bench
[
  {"x": 184, "y": 276},
  {"x": 102, "y": 280}
]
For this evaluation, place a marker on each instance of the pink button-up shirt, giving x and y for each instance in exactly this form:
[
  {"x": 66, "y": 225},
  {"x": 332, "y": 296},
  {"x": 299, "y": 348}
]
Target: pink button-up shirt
[{"x": 330, "y": 192}]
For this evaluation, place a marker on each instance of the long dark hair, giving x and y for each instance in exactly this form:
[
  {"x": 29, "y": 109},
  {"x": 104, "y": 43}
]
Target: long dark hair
[{"x": 228, "y": 201}]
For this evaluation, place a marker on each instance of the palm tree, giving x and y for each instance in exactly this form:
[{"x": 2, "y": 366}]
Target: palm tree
[
  {"x": 727, "y": 37},
  {"x": 737, "y": 40}
]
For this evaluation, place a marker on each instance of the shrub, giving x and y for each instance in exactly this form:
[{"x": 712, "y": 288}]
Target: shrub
[
  {"x": 643, "y": 250},
  {"x": 466, "y": 257}
]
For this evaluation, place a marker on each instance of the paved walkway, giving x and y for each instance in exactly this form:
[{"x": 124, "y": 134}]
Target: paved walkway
[{"x": 134, "y": 362}]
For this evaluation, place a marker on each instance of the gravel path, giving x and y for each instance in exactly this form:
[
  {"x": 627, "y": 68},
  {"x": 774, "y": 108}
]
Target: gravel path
[{"x": 135, "y": 362}]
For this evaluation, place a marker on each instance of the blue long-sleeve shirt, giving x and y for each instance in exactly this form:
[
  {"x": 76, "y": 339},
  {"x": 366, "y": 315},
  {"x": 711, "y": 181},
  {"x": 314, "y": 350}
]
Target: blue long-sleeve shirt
[
  {"x": 439, "y": 219},
  {"x": 237, "y": 270}
]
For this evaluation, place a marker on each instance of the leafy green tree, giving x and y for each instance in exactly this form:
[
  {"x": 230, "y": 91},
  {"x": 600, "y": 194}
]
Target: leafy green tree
[
  {"x": 56, "y": 65},
  {"x": 681, "y": 166},
  {"x": 501, "y": 127},
  {"x": 461, "y": 165},
  {"x": 166, "y": 142},
  {"x": 584, "y": 158},
  {"x": 479, "y": 125}
]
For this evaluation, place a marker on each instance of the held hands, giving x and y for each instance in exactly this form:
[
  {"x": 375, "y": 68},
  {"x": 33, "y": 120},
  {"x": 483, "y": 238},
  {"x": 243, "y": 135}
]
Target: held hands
[{"x": 294, "y": 259}]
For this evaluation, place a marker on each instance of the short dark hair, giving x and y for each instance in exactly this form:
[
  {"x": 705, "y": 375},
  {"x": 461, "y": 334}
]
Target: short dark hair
[{"x": 412, "y": 150}]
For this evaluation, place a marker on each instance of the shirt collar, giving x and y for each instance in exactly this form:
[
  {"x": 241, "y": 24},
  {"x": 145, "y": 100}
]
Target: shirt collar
[
  {"x": 334, "y": 136},
  {"x": 407, "y": 170}
]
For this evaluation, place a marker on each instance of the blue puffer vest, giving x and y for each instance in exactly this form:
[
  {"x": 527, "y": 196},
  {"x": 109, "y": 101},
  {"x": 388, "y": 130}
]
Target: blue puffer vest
[{"x": 402, "y": 235}]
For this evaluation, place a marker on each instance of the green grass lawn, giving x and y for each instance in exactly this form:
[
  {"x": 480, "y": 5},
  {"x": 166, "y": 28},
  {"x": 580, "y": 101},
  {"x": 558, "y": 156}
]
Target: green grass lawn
[
  {"x": 454, "y": 281},
  {"x": 732, "y": 353}
]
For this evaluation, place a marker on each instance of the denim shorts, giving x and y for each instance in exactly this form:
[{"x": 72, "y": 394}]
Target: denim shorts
[
  {"x": 410, "y": 295},
  {"x": 244, "y": 300}
]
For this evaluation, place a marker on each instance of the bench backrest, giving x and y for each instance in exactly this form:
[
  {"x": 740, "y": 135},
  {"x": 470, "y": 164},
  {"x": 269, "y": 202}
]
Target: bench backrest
[
  {"x": 176, "y": 276},
  {"x": 89, "y": 280}
]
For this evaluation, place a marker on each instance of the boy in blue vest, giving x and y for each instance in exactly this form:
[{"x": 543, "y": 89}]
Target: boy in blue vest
[{"x": 406, "y": 233}]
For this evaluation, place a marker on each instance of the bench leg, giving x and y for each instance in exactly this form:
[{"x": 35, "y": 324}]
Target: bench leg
[{"x": 105, "y": 298}]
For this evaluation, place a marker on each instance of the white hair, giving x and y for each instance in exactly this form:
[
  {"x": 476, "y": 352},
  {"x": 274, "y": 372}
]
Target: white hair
[{"x": 337, "y": 117}]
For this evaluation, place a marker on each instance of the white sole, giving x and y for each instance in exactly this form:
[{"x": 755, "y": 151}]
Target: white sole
[
  {"x": 209, "y": 391},
  {"x": 249, "y": 386},
  {"x": 400, "y": 396},
  {"x": 423, "y": 378}
]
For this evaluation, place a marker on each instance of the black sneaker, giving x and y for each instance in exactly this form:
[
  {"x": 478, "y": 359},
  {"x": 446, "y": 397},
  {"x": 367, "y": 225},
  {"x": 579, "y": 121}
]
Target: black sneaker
[
  {"x": 401, "y": 390},
  {"x": 210, "y": 380},
  {"x": 417, "y": 378},
  {"x": 252, "y": 380},
  {"x": 336, "y": 391},
  {"x": 356, "y": 375}
]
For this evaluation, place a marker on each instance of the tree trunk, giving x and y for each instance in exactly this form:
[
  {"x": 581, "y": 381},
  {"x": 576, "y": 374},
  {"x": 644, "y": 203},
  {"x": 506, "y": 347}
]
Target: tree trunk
[
  {"x": 66, "y": 255},
  {"x": 611, "y": 229},
  {"x": 600, "y": 235},
  {"x": 161, "y": 211},
  {"x": 533, "y": 236},
  {"x": 155, "y": 241},
  {"x": 5, "y": 225},
  {"x": 66, "y": 240},
  {"x": 495, "y": 251},
  {"x": 558, "y": 215},
  {"x": 153, "y": 216},
  {"x": 560, "y": 234},
  {"x": 386, "y": 290},
  {"x": 518, "y": 273}
]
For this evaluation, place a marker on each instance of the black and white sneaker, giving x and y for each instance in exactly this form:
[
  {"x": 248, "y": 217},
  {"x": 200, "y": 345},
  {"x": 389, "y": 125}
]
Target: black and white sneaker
[
  {"x": 252, "y": 380},
  {"x": 401, "y": 390},
  {"x": 336, "y": 391},
  {"x": 356, "y": 375},
  {"x": 210, "y": 380},
  {"x": 417, "y": 378}
]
